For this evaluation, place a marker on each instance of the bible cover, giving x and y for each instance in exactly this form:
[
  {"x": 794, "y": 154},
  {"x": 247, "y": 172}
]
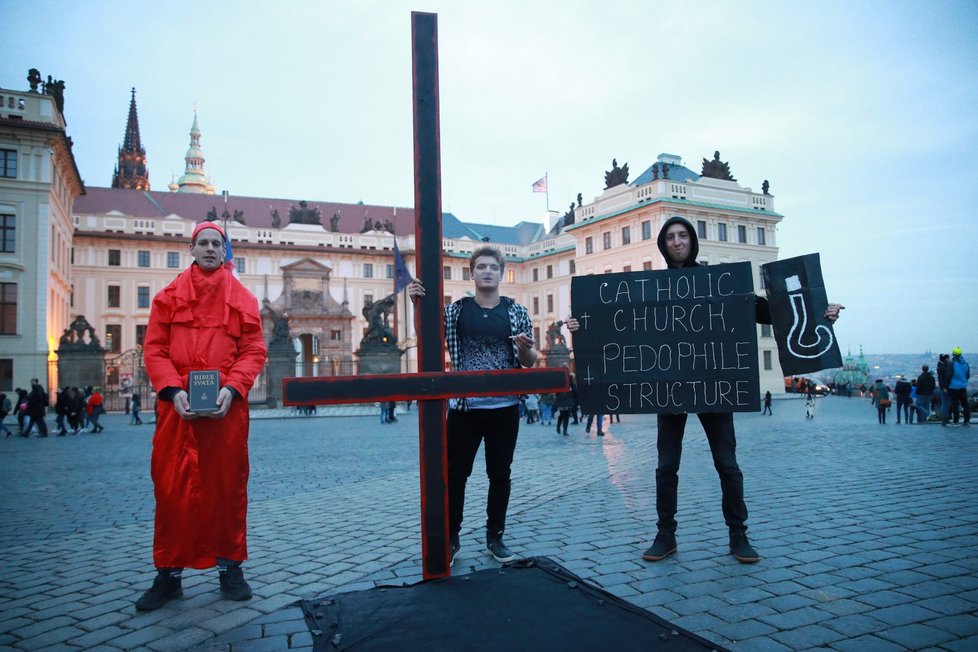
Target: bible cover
[{"x": 203, "y": 387}]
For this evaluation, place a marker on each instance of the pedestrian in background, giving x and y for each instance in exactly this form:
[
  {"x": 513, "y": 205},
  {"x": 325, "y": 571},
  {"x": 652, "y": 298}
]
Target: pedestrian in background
[
  {"x": 925, "y": 393},
  {"x": 532, "y": 408},
  {"x": 912, "y": 407},
  {"x": 563, "y": 402},
  {"x": 809, "y": 403},
  {"x": 881, "y": 398},
  {"x": 134, "y": 404},
  {"x": 957, "y": 372},
  {"x": 61, "y": 409},
  {"x": 37, "y": 408},
  {"x": 546, "y": 408},
  {"x": 590, "y": 420},
  {"x": 767, "y": 404},
  {"x": 94, "y": 409},
  {"x": 5, "y": 407},
  {"x": 20, "y": 407},
  {"x": 901, "y": 392},
  {"x": 76, "y": 410}
]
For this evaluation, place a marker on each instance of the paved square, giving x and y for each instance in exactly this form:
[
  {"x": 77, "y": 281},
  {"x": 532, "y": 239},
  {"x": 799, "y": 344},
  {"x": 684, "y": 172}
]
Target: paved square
[{"x": 868, "y": 533}]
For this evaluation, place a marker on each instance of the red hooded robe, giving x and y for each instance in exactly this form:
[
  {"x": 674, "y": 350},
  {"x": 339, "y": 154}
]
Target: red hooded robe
[{"x": 200, "y": 467}]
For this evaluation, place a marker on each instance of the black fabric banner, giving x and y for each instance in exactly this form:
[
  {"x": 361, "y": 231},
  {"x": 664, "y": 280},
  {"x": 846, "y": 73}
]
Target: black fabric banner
[
  {"x": 532, "y": 605},
  {"x": 667, "y": 341},
  {"x": 796, "y": 295}
]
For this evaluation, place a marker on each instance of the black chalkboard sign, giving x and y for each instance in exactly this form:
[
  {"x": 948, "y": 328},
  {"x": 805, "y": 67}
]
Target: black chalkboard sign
[
  {"x": 668, "y": 341},
  {"x": 797, "y": 299}
]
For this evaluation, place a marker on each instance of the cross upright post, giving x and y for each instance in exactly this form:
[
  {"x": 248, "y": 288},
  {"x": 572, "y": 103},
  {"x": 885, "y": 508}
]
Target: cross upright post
[{"x": 431, "y": 385}]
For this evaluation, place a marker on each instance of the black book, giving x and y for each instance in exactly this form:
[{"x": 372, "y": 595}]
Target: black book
[{"x": 203, "y": 387}]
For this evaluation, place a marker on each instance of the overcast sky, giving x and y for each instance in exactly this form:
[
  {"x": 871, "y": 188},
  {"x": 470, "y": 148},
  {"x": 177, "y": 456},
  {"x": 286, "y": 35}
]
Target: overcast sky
[{"x": 863, "y": 116}]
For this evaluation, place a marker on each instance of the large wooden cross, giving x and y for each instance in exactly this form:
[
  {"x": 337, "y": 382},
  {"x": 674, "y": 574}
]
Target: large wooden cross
[{"x": 431, "y": 386}]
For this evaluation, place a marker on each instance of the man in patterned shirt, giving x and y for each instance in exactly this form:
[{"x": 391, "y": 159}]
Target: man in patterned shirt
[{"x": 484, "y": 332}]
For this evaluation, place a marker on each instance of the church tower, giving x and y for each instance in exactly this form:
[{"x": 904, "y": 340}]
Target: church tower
[
  {"x": 194, "y": 180},
  {"x": 130, "y": 172}
]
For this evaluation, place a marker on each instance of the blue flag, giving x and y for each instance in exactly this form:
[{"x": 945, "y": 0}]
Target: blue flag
[{"x": 402, "y": 277}]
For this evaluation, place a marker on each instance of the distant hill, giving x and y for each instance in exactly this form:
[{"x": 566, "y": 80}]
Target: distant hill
[{"x": 891, "y": 366}]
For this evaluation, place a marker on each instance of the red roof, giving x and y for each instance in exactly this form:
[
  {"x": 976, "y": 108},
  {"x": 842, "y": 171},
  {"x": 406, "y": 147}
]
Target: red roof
[{"x": 257, "y": 211}]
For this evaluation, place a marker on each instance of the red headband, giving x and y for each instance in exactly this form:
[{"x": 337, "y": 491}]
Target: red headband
[{"x": 208, "y": 225}]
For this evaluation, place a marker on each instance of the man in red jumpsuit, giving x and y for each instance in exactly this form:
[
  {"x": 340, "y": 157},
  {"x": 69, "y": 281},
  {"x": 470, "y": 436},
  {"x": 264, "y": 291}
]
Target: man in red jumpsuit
[{"x": 205, "y": 319}]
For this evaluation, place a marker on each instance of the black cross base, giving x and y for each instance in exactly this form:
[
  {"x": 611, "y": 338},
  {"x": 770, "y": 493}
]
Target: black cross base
[{"x": 431, "y": 385}]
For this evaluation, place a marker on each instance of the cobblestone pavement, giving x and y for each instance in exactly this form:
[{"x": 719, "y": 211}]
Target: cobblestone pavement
[{"x": 869, "y": 533}]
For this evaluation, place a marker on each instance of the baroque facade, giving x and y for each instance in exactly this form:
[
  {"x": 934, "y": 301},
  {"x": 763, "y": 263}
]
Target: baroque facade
[
  {"x": 319, "y": 263},
  {"x": 39, "y": 182}
]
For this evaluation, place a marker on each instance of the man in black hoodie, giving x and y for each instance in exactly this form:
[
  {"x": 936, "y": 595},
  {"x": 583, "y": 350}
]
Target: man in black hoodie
[{"x": 679, "y": 245}]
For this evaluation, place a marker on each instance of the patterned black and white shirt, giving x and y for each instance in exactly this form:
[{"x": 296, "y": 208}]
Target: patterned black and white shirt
[{"x": 480, "y": 340}]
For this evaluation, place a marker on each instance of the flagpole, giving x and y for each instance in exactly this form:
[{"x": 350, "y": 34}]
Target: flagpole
[
  {"x": 546, "y": 176},
  {"x": 394, "y": 280}
]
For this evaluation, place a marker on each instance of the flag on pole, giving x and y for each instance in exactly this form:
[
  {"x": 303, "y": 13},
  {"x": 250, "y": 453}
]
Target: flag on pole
[
  {"x": 540, "y": 185},
  {"x": 402, "y": 277}
]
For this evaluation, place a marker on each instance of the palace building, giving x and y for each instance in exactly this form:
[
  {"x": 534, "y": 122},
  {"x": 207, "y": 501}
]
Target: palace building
[{"x": 104, "y": 252}]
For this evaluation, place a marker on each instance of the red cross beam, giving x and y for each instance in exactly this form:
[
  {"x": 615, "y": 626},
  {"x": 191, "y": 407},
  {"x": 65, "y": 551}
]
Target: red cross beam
[{"x": 431, "y": 385}]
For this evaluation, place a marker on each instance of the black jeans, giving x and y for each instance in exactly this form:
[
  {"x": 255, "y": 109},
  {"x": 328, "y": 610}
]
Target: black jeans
[
  {"x": 42, "y": 426},
  {"x": 466, "y": 430},
  {"x": 958, "y": 397},
  {"x": 719, "y": 429},
  {"x": 563, "y": 419}
]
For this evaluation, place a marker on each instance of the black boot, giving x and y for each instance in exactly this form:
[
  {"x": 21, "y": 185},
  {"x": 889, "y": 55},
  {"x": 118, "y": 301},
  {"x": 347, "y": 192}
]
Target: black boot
[
  {"x": 167, "y": 586},
  {"x": 498, "y": 550},
  {"x": 663, "y": 546},
  {"x": 233, "y": 584},
  {"x": 741, "y": 549}
]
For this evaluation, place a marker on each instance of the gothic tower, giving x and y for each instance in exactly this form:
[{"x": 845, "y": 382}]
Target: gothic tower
[
  {"x": 194, "y": 180},
  {"x": 130, "y": 172}
]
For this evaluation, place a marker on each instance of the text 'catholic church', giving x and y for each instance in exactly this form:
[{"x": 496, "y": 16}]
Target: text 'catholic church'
[{"x": 79, "y": 266}]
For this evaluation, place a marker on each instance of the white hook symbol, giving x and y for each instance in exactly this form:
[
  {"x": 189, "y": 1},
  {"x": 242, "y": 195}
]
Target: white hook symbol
[{"x": 823, "y": 334}]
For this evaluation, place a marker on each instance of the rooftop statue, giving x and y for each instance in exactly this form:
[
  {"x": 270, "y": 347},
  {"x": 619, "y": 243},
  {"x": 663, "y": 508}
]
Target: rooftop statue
[
  {"x": 334, "y": 222},
  {"x": 276, "y": 219},
  {"x": 616, "y": 175},
  {"x": 304, "y": 214},
  {"x": 34, "y": 79},
  {"x": 716, "y": 169}
]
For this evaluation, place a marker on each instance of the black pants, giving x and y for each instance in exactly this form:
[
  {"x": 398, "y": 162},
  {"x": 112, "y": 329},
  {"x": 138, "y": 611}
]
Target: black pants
[
  {"x": 723, "y": 444},
  {"x": 563, "y": 419},
  {"x": 42, "y": 427},
  {"x": 958, "y": 397},
  {"x": 466, "y": 430}
]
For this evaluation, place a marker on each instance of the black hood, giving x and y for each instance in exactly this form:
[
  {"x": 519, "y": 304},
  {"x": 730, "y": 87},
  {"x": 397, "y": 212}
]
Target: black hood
[{"x": 694, "y": 242}]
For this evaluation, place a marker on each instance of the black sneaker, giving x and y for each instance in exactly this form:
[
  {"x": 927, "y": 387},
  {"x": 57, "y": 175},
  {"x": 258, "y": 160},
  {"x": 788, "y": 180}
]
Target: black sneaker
[
  {"x": 741, "y": 549},
  {"x": 453, "y": 549},
  {"x": 663, "y": 546},
  {"x": 165, "y": 587},
  {"x": 496, "y": 549},
  {"x": 233, "y": 584}
]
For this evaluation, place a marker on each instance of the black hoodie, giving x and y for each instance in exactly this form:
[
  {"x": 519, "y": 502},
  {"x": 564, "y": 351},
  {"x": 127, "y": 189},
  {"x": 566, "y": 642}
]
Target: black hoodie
[
  {"x": 694, "y": 243},
  {"x": 762, "y": 311}
]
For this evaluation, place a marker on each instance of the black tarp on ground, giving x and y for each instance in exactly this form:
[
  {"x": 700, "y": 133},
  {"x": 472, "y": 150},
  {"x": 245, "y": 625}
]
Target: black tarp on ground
[{"x": 533, "y": 604}]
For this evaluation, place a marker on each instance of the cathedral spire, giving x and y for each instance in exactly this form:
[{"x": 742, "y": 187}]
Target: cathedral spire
[
  {"x": 194, "y": 180},
  {"x": 130, "y": 172}
]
